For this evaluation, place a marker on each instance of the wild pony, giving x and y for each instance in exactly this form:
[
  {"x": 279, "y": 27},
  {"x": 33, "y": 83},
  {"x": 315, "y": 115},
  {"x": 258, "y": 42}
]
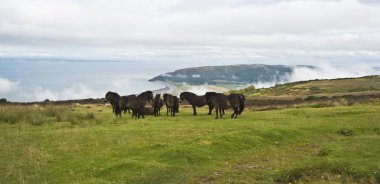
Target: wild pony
[
  {"x": 242, "y": 101},
  {"x": 195, "y": 101},
  {"x": 123, "y": 101},
  {"x": 221, "y": 101},
  {"x": 137, "y": 104},
  {"x": 113, "y": 99},
  {"x": 236, "y": 103},
  {"x": 172, "y": 104},
  {"x": 157, "y": 104}
]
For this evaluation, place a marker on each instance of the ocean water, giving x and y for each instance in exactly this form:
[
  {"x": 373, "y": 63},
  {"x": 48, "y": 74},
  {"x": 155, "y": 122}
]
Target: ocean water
[{"x": 26, "y": 80}]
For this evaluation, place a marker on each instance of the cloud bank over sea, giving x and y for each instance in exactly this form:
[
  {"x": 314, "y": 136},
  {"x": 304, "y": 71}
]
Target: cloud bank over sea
[{"x": 37, "y": 81}]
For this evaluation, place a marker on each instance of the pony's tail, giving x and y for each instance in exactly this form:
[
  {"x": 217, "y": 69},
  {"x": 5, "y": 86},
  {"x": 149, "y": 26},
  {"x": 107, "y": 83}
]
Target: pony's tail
[{"x": 241, "y": 105}]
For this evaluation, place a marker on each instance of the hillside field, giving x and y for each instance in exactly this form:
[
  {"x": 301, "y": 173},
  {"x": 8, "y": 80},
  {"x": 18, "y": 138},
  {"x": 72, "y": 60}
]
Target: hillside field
[
  {"x": 328, "y": 87},
  {"x": 87, "y": 144}
]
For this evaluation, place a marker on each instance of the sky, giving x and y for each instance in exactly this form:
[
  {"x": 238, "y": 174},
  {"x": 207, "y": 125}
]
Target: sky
[
  {"x": 340, "y": 32},
  {"x": 46, "y": 45}
]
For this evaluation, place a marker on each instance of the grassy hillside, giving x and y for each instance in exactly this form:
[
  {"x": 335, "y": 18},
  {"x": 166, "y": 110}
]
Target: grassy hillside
[
  {"x": 86, "y": 144},
  {"x": 314, "y": 87},
  {"x": 227, "y": 75}
]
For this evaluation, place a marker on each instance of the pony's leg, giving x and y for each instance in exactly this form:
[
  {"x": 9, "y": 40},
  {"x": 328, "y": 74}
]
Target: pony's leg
[
  {"x": 167, "y": 111},
  {"x": 216, "y": 112},
  {"x": 142, "y": 112},
  {"x": 223, "y": 111},
  {"x": 195, "y": 110},
  {"x": 220, "y": 112},
  {"x": 234, "y": 113},
  {"x": 210, "y": 107},
  {"x": 136, "y": 112},
  {"x": 139, "y": 112}
]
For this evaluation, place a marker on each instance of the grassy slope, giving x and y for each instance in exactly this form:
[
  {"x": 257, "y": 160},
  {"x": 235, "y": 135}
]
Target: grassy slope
[
  {"x": 226, "y": 75},
  {"x": 263, "y": 147},
  {"x": 363, "y": 84}
]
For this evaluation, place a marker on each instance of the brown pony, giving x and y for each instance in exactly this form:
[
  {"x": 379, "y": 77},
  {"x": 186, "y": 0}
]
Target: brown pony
[
  {"x": 172, "y": 104},
  {"x": 195, "y": 101},
  {"x": 137, "y": 104}
]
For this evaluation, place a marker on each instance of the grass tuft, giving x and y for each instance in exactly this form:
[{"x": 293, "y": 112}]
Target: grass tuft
[{"x": 346, "y": 132}]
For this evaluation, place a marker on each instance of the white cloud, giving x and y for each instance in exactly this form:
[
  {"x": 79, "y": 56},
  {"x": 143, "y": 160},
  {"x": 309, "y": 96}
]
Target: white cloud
[
  {"x": 79, "y": 91},
  {"x": 75, "y": 91},
  {"x": 182, "y": 28},
  {"x": 121, "y": 84},
  {"x": 197, "y": 89},
  {"x": 166, "y": 75},
  {"x": 40, "y": 94},
  {"x": 328, "y": 71},
  {"x": 181, "y": 76},
  {"x": 322, "y": 70},
  {"x": 7, "y": 86}
]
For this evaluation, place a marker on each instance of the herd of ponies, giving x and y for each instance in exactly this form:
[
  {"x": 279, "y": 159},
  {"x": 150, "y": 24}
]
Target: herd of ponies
[{"x": 136, "y": 103}]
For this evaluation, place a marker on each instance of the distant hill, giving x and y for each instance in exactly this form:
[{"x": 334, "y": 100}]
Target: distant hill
[
  {"x": 318, "y": 87},
  {"x": 228, "y": 75}
]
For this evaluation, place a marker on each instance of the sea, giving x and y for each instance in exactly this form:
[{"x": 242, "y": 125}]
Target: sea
[{"x": 25, "y": 80}]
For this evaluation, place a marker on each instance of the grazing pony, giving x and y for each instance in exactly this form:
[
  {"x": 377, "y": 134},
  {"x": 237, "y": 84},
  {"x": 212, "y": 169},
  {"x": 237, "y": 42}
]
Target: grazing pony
[
  {"x": 113, "y": 99},
  {"x": 124, "y": 101},
  {"x": 241, "y": 106},
  {"x": 195, "y": 101},
  {"x": 172, "y": 104},
  {"x": 157, "y": 104},
  {"x": 137, "y": 104},
  {"x": 236, "y": 103},
  {"x": 222, "y": 101}
]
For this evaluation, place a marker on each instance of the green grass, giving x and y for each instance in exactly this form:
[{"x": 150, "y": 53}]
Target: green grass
[
  {"x": 319, "y": 145},
  {"x": 318, "y": 87}
]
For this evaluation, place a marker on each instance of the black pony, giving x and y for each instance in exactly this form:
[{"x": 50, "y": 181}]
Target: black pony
[
  {"x": 124, "y": 101},
  {"x": 137, "y": 104},
  {"x": 157, "y": 104},
  {"x": 221, "y": 101},
  {"x": 195, "y": 101},
  {"x": 113, "y": 99},
  {"x": 172, "y": 104},
  {"x": 236, "y": 103},
  {"x": 242, "y": 101}
]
